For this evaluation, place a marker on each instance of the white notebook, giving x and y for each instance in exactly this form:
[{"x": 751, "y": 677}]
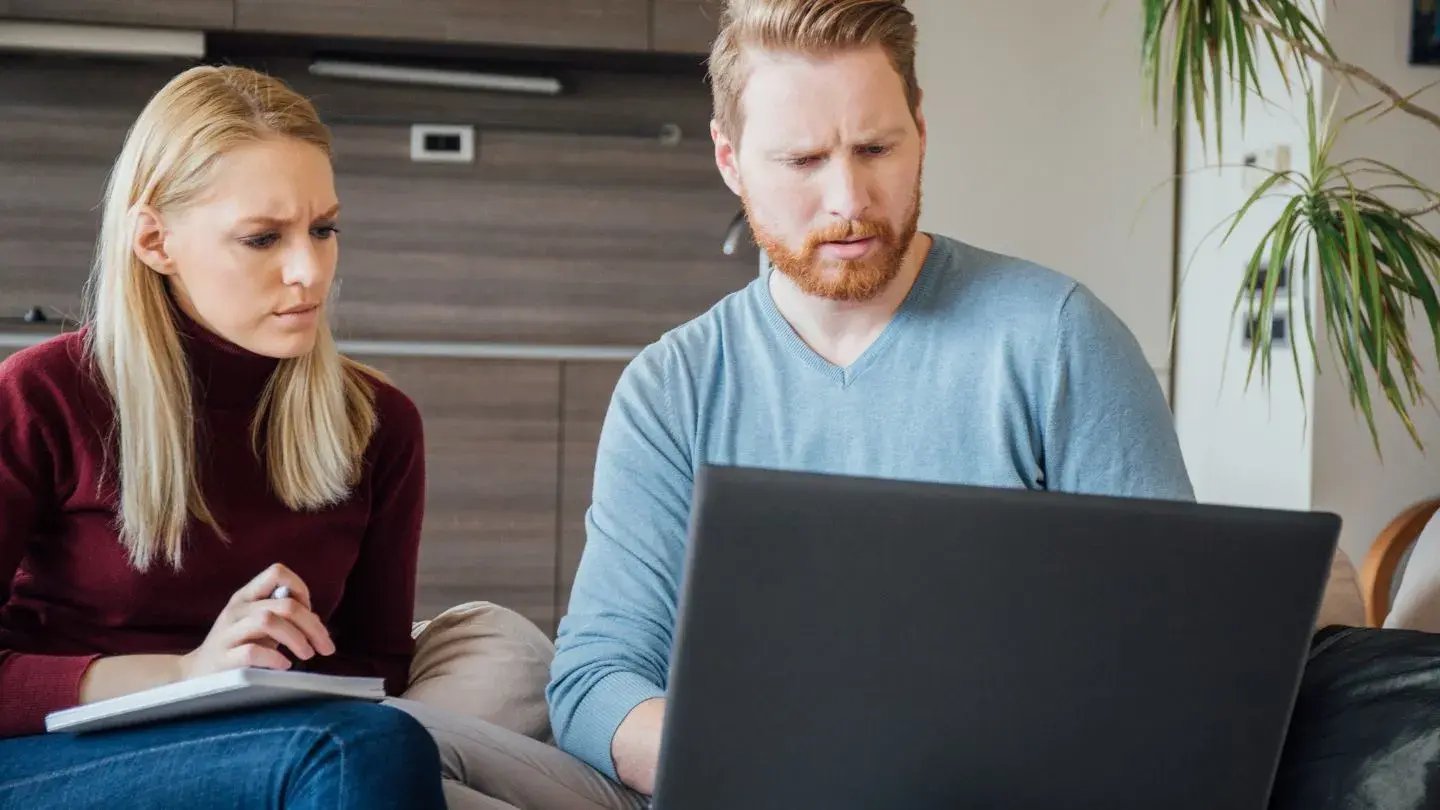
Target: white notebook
[{"x": 220, "y": 692}]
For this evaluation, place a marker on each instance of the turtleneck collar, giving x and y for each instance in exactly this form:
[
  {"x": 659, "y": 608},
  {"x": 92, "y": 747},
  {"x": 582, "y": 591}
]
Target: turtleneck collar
[{"x": 226, "y": 376}]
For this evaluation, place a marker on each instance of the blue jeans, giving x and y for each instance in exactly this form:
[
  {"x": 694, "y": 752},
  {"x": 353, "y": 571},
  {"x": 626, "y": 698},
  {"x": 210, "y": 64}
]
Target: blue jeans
[{"x": 326, "y": 754}]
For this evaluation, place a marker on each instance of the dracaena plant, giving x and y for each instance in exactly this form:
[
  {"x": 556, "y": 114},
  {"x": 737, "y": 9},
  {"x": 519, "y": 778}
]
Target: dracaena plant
[{"x": 1356, "y": 224}]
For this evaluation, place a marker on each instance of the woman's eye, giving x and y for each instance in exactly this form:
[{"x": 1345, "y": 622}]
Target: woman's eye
[
  {"x": 324, "y": 231},
  {"x": 261, "y": 241}
]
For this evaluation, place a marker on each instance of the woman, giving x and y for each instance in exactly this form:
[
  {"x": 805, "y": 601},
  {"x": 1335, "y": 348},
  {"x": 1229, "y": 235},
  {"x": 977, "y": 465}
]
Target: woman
[{"x": 197, "y": 445}]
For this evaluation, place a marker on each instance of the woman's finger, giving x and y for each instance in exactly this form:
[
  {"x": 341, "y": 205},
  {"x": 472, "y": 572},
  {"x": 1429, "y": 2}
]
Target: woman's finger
[
  {"x": 261, "y": 625},
  {"x": 264, "y": 584},
  {"x": 254, "y": 655},
  {"x": 305, "y": 619}
]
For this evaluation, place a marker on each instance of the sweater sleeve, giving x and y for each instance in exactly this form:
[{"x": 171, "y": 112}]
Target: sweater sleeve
[
  {"x": 371, "y": 625},
  {"x": 1108, "y": 430},
  {"x": 613, "y": 649},
  {"x": 31, "y": 686}
]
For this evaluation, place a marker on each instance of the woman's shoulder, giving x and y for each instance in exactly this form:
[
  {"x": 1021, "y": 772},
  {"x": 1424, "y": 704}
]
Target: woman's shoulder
[
  {"x": 54, "y": 369},
  {"x": 397, "y": 419}
]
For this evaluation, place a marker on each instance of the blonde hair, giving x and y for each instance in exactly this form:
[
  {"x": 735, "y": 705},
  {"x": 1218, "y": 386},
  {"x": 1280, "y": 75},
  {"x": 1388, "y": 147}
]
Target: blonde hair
[
  {"x": 316, "y": 414},
  {"x": 810, "y": 27}
]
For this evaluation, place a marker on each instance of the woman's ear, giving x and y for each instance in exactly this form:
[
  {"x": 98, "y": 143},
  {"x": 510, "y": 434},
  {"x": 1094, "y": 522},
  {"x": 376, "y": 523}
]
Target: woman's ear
[{"x": 148, "y": 241}]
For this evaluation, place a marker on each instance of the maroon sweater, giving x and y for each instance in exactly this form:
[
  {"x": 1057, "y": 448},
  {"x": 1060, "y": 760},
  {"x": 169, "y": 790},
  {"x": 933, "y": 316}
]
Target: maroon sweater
[{"x": 67, "y": 590}]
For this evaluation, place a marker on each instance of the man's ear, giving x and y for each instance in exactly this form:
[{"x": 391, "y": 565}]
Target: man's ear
[
  {"x": 920, "y": 119},
  {"x": 148, "y": 241},
  {"x": 727, "y": 158}
]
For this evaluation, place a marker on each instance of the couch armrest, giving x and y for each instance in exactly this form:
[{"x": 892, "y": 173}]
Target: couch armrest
[{"x": 1377, "y": 576}]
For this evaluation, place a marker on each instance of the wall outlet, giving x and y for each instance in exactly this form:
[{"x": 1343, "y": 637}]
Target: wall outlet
[
  {"x": 1279, "y": 331},
  {"x": 442, "y": 143},
  {"x": 1261, "y": 163},
  {"x": 1262, "y": 277}
]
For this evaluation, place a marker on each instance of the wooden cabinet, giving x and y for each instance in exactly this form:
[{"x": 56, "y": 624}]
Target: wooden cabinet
[
  {"x": 54, "y": 158},
  {"x": 601, "y": 24},
  {"x": 510, "y": 458},
  {"x": 391, "y": 19},
  {"x": 492, "y": 479},
  {"x": 205, "y": 14},
  {"x": 667, "y": 26},
  {"x": 509, "y": 249},
  {"x": 685, "y": 26}
]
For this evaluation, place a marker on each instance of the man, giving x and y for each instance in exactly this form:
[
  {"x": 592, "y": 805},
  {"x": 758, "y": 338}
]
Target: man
[
  {"x": 874, "y": 350},
  {"x": 877, "y": 350}
]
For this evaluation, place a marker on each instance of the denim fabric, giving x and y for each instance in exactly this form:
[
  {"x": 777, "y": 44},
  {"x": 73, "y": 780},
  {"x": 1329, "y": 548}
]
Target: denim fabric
[{"x": 336, "y": 755}]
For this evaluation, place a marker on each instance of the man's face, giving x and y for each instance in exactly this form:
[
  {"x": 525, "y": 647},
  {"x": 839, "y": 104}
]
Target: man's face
[{"x": 828, "y": 167}]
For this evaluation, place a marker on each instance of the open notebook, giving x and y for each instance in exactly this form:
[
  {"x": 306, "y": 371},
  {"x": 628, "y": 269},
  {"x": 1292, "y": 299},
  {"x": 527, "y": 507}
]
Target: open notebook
[{"x": 221, "y": 692}]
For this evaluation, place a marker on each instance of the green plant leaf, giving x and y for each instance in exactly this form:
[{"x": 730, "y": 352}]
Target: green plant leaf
[{"x": 1372, "y": 264}]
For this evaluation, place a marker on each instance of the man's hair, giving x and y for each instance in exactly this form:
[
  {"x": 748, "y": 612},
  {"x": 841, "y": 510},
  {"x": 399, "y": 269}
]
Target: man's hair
[{"x": 809, "y": 27}]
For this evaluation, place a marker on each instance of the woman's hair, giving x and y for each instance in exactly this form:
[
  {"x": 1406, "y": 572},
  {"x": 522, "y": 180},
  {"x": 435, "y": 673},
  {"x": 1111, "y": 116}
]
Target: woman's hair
[{"x": 316, "y": 415}]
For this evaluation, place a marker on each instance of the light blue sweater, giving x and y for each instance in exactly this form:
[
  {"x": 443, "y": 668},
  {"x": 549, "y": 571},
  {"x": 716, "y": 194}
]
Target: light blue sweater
[{"x": 993, "y": 372}]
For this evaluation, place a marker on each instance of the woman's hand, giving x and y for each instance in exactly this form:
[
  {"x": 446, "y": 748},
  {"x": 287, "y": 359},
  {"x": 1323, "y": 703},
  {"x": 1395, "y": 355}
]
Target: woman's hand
[{"x": 253, "y": 626}]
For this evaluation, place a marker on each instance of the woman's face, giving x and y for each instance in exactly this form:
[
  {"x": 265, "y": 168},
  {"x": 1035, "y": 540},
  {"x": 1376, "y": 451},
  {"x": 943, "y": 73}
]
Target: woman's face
[{"x": 252, "y": 259}]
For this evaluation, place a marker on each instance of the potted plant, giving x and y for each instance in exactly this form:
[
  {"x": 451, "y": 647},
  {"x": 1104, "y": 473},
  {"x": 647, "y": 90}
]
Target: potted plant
[{"x": 1355, "y": 224}]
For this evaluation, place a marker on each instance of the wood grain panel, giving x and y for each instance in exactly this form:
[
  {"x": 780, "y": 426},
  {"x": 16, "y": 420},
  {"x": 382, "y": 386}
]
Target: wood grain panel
[
  {"x": 634, "y": 254},
  {"x": 208, "y": 14},
  {"x": 392, "y": 19},
  {"x": 54, "y": 158},
  {"x": 549, "y": 237},
  {"x": 586, "y": 396},
  {"x": 685, "y": 26},
  {"x": 492, "y": 457},
  {"x": 612, "y": 24}
]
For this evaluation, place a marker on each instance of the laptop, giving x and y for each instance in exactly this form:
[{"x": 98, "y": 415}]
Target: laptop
[{"x": 858, "y": 643}]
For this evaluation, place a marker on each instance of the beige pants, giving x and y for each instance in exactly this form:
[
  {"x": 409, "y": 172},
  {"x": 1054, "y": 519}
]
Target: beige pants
[
  {"x": 486, "y": 767},
  {"x": 478, "y": 684}
]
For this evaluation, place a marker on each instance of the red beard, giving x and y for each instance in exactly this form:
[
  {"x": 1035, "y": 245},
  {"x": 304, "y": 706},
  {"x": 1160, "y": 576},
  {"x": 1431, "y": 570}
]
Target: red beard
[{"x": 852, "y": 280}]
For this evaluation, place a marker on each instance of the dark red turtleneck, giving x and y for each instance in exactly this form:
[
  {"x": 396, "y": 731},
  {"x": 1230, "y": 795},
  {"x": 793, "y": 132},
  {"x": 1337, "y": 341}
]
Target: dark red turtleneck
[{"x": 67, "y": 591}]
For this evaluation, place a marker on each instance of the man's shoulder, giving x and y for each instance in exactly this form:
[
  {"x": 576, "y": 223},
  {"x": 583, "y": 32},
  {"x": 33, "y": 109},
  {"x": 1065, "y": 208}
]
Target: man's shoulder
[
  {"x": 999, "y": 283},
  {"x": 693, "y": 346}
]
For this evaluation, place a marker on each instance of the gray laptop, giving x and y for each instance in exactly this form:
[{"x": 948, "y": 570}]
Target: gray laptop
[{"x": 857, "y": 643}]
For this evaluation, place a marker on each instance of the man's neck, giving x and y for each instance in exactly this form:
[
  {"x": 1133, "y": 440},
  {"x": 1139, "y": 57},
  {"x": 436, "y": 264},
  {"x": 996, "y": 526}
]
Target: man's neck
[{"x": 841, "y": 331}]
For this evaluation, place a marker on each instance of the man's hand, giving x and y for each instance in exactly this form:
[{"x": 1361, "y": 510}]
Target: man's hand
[{"x": 636, "y": 746}]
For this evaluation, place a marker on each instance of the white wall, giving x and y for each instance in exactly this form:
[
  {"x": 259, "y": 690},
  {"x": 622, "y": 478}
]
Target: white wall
[
  {"x": 1040, "y": 146},
  {"x": 1243, "y": 445},
  {"x": 1349, "y": 478},
  {"x": 1253, "y": 447}
]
